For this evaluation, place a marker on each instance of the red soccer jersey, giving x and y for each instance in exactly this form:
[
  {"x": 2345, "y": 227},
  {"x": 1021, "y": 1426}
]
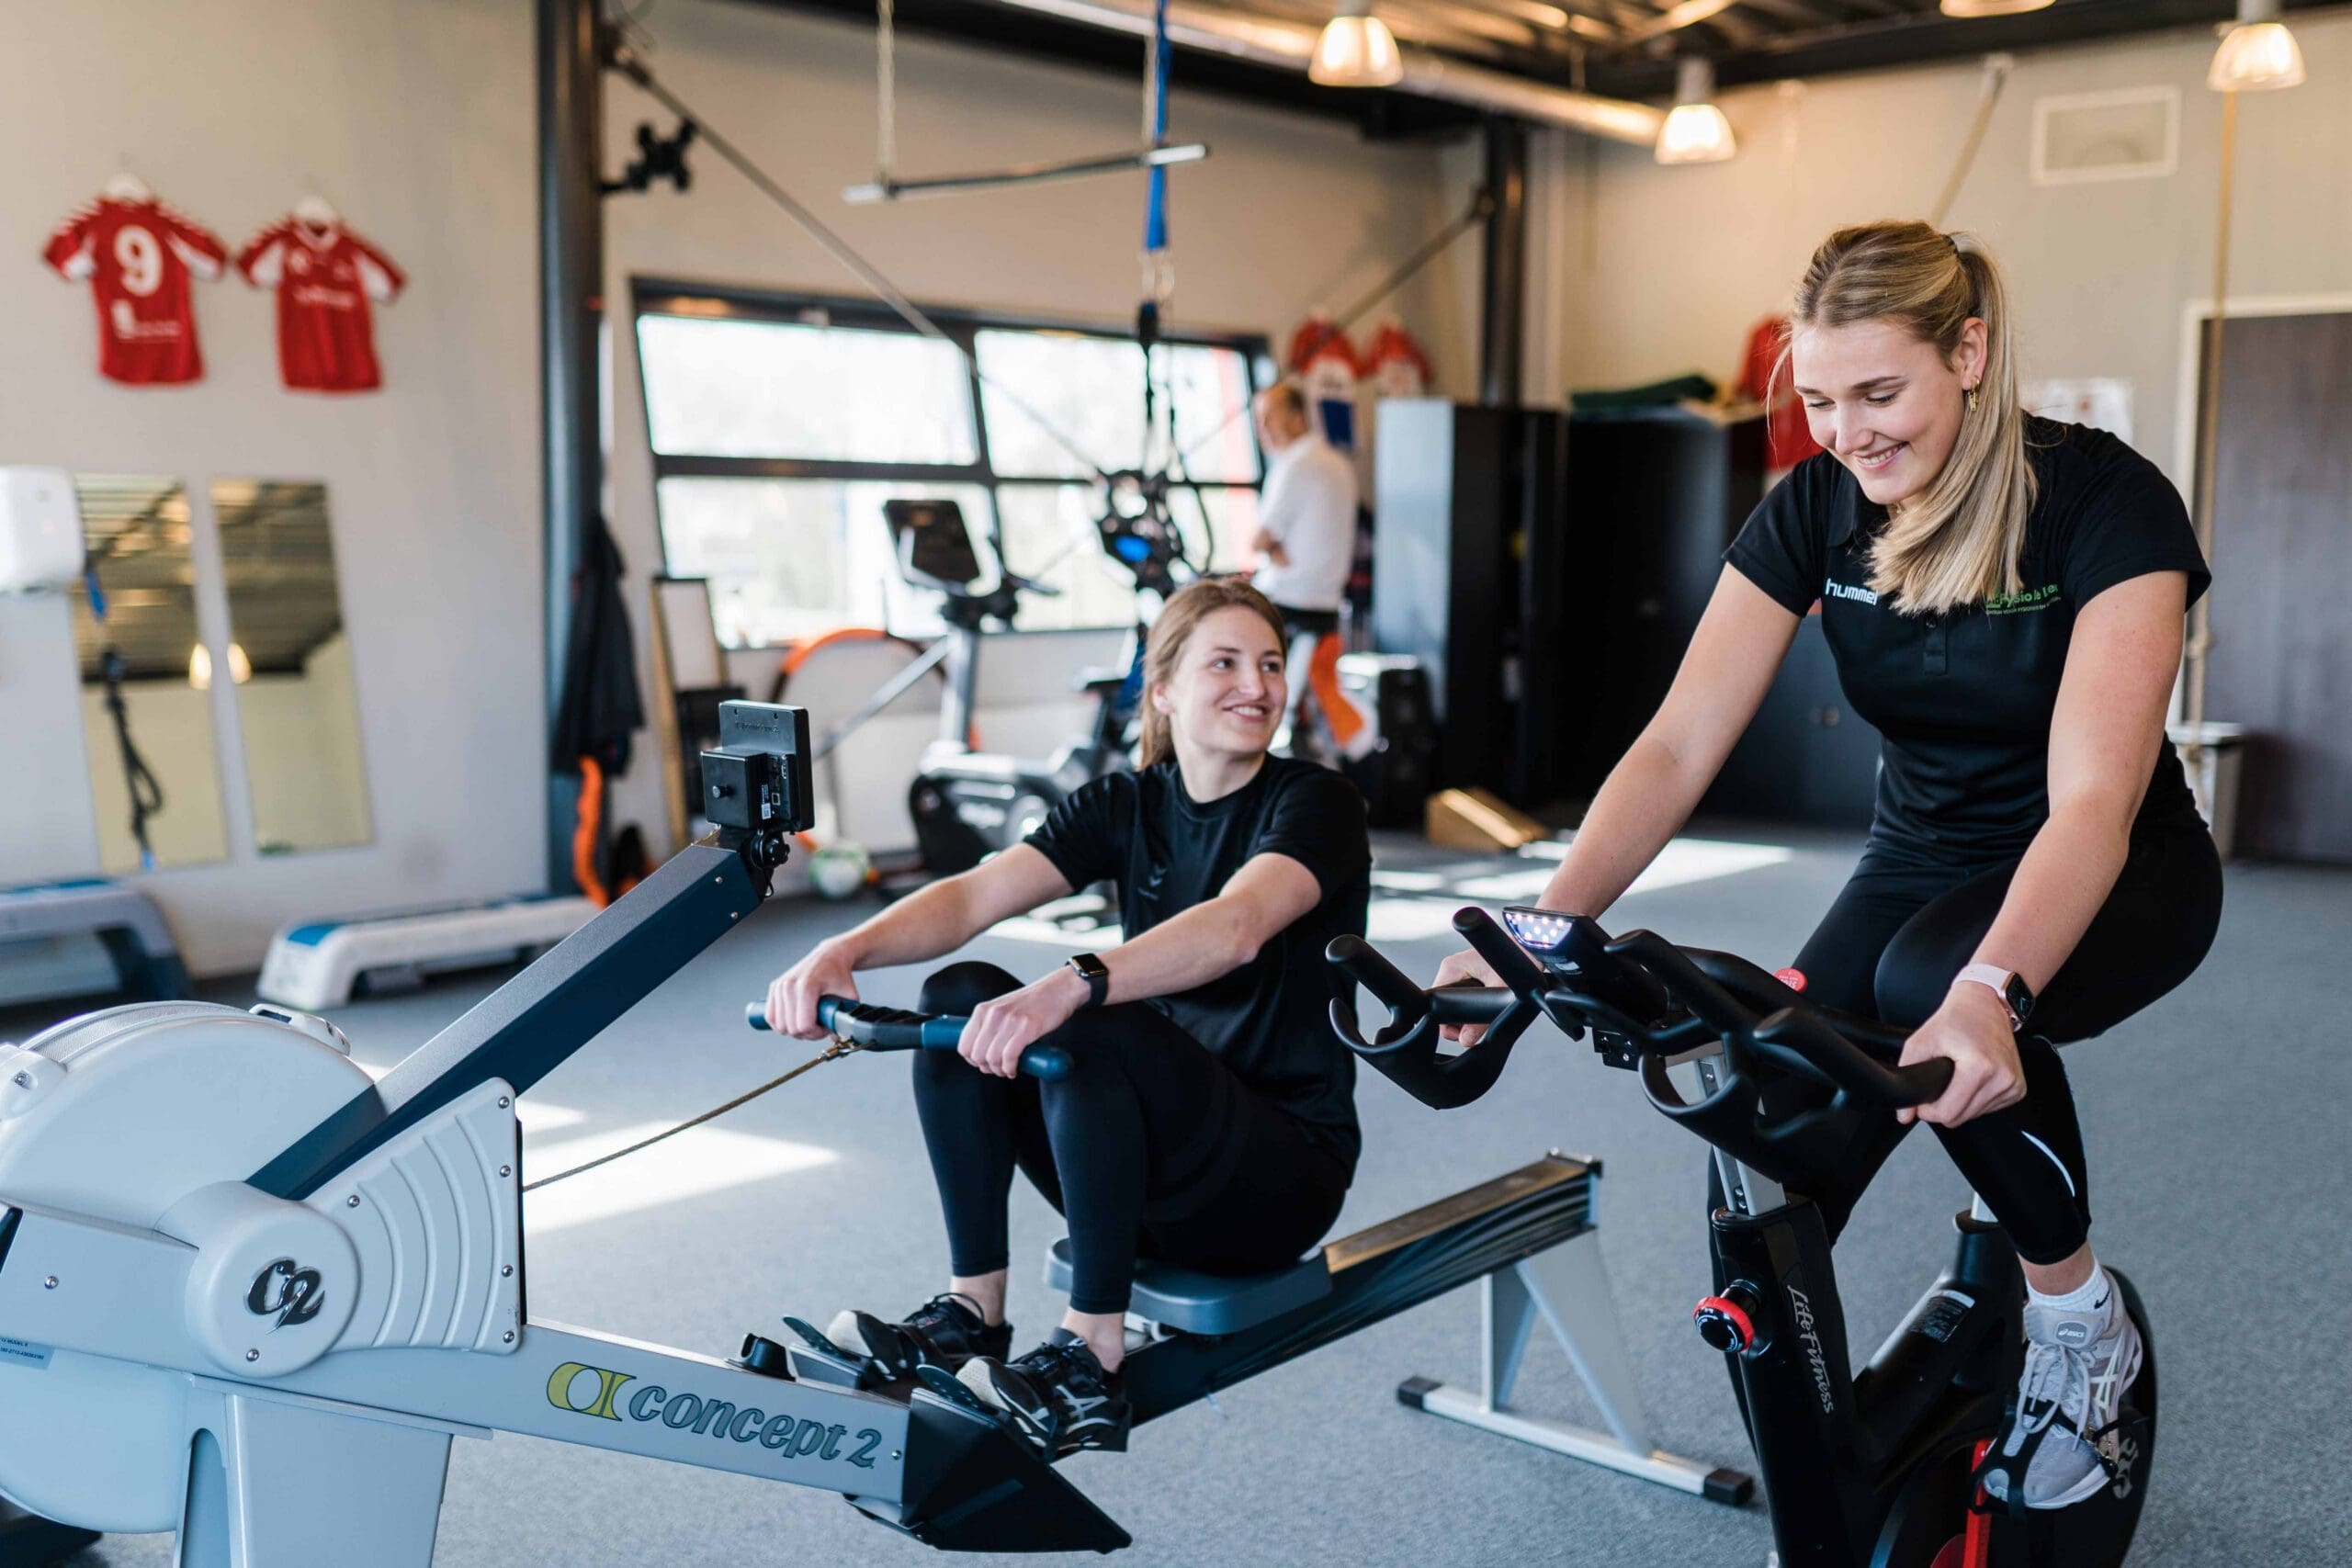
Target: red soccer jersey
[
  {"x": 325, "y": 276},
  {"x": 139, "y": 257}
]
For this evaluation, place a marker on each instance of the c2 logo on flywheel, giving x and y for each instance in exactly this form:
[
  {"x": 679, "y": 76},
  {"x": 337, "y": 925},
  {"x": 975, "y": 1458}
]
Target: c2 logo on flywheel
[{"x": 288, "y": 1290}]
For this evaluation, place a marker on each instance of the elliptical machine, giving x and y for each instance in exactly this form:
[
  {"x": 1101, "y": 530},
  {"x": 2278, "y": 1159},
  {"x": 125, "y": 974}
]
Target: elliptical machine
[{"x": 1877, "y": 1468}]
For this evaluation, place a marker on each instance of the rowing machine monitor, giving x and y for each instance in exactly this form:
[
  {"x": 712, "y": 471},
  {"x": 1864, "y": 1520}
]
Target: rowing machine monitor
[{"x": 757, "y": 779}]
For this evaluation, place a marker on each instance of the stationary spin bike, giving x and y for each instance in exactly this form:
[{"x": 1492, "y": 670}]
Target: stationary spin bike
[{"x": 1870, "y": 1468}]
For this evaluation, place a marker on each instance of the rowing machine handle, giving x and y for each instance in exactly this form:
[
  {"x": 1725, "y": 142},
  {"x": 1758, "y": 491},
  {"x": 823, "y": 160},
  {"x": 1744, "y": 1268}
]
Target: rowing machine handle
[{"x": 875, "y": 1028}]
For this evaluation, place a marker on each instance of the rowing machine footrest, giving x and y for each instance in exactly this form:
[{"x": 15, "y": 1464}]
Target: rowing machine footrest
[{"x": 1193, "y": 1303}]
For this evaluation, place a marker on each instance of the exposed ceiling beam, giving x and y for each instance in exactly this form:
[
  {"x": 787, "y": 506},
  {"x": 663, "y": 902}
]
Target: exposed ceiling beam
[
  {"x": 1919, "y": 38},
  {"x": 1427, "y": 73},
  {"x": 1000, "y": 29},
  {"x": 1511, "y": 32},
  {"x": 1689, "y": 13},
  {"x": 1795, "y": 12}
]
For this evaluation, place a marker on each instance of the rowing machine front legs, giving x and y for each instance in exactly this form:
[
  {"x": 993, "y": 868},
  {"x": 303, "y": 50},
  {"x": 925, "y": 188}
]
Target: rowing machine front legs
[{"x": 1567, "y": 1288}]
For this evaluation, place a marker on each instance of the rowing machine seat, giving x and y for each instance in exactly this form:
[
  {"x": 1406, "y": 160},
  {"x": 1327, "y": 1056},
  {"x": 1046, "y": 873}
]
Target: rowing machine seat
[{"x": 1194, "y": 1302}]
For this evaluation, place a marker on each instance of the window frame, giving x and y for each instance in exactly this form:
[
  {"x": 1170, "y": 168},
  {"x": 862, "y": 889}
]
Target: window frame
[{"x": 962, "y": 325}]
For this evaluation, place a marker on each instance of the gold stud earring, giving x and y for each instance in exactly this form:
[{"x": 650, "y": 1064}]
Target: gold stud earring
[{"x": 1972, "y": 400}]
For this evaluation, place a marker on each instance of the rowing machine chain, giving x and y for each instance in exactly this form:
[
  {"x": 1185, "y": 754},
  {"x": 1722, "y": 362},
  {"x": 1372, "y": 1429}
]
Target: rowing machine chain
[{"x": 832, "y": 1053}]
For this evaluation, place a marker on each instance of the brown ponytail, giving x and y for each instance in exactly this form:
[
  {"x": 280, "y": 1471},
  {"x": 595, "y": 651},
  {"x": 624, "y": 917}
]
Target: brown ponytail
[{"x": 1184, "y": 611}]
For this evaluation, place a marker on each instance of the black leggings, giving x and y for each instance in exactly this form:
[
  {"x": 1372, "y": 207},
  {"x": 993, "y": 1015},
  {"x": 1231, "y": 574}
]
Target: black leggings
[
  {"x": 1904, "y": 927},
  {"x": 1150, "y": 1147}
]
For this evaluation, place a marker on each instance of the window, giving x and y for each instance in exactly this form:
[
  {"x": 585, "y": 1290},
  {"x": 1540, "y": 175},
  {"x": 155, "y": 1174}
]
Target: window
[{"x": 780, "y": 426}]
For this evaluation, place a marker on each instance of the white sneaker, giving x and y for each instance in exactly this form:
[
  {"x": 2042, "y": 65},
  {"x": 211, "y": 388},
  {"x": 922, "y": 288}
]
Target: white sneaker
[{"x": 2067, "y": 1433}]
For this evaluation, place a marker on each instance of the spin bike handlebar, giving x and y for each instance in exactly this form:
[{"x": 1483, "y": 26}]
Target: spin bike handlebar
[
  {"x": 1648, "y": 1003},
  {"x": 872, "y": 1027}
]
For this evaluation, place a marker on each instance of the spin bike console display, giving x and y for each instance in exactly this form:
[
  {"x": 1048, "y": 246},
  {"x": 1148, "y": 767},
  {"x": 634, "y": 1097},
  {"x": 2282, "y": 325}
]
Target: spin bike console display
[{"x": 1871, "y": 1467}]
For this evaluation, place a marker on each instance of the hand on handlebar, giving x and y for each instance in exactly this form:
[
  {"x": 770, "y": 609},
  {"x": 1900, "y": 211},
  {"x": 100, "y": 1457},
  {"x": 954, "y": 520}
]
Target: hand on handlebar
[
  {"x": 1004, "y": 1027},
  {"x": 1464, "y": 966},
  {"x": 792, "y": 996},
  {"x": 1972, "y": 1032}
]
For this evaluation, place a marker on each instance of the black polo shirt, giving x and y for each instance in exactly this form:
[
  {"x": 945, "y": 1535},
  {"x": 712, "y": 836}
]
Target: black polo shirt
[
  {"x": 1269, "y": 1019},
  {"x": 1963, "y": 701}
]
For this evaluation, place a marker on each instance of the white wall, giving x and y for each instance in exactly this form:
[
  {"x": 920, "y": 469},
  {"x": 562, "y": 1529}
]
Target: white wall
[
  {"x": 1287, "y": 212},
  {"x": 1669, "y": 267},
  {"x": 415, "y": 117}
]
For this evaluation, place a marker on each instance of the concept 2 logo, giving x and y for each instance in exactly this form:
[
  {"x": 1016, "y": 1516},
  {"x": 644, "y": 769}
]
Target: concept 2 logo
[
  {"x": 787, "y": 1435},
  {"x": 290, "y": 1291}
]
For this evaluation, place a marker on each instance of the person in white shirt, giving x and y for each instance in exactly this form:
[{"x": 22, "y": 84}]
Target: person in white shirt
[{"x": 1306, "y": 527}]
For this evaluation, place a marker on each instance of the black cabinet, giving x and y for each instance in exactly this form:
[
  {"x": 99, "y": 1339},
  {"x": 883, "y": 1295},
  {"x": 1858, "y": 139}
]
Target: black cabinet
[
  {"x": 1468, "y": 577},
  {"x": 1654, "y": 496}
]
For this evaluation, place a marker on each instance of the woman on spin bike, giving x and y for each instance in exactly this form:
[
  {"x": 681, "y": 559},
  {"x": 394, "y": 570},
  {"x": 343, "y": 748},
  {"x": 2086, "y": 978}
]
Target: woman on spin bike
[
  {"x": 1209, "y": 1121},
  {"x": 2004, "y": 597}
]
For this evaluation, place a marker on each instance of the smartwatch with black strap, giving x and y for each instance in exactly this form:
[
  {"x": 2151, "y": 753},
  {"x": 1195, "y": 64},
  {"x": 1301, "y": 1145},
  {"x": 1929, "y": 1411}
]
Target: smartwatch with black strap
[{"x": 1091, "y": 968}]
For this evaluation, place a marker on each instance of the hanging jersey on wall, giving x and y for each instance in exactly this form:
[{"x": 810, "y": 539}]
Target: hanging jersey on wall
[
  {"x": 1327, "y": 369},
  {"x": 139, "y": 257},
  {"x": 325, "y": 276},
  {"x": 1399, "y": 368}
]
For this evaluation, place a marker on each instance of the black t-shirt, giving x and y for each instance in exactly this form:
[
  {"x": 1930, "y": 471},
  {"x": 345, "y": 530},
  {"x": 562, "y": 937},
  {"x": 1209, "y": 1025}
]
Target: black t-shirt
[
  {"x": 1963, "y": 701},
  {"x": 1269, "y": 1018}
]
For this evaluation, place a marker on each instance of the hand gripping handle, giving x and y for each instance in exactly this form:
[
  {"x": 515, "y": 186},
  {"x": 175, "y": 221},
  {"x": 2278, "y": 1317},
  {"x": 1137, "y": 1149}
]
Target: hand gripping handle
[
  {"x": 1794, "y": 1033},
  {"x": 1406, "y": 1050},
  {"x": 871, "y": 1027}
]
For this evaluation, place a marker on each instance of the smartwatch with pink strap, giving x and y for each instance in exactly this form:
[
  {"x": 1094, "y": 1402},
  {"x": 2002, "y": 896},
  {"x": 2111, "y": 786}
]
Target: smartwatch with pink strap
[{"x": 2016, "y": 996}]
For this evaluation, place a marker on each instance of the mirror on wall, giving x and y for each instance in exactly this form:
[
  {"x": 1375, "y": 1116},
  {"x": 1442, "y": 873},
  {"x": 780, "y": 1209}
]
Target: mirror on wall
[
  {"x": 297, "y": 703},
  {"x": 146, "y": 677}
]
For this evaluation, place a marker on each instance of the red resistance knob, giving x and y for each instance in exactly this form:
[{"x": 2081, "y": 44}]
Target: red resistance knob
[
  {"x": 1793, "y": 979},
  {"x": 1727, "y": 1321}
]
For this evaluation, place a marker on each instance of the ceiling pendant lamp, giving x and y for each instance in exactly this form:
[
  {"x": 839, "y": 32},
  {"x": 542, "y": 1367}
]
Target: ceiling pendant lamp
[
  {"x": 1696, "y": 132},
  {"x": 2257, "y": 55},
  {"x": 1356, "y": 51}
]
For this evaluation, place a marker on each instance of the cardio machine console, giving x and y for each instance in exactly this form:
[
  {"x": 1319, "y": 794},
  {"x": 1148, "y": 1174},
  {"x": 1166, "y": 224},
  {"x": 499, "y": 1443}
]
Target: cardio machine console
[
  {"x": 933, "y": 545},
  {"x": 1570, "y": 949},
  {"x": 757, "y": 779}
]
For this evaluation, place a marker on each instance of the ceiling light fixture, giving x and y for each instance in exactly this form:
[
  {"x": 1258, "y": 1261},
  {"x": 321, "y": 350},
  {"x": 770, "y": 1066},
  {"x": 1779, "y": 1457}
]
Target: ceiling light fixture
[
  {"x": 2259, "y": 54},
  {"x": 1356, "y": 51},
  {"x": 1696, "y": 132}
]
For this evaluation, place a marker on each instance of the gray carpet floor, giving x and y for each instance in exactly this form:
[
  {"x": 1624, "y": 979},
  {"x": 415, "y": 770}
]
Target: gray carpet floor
[{"x": 2210, "y": 1118}]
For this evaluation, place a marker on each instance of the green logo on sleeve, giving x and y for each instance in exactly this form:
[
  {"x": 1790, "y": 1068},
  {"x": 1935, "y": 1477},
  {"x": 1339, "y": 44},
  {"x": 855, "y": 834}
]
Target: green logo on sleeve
[{"x": 2024, "y": 602}]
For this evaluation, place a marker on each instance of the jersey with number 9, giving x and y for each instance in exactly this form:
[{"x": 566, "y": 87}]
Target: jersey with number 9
[{"x": 140, "y": 258}]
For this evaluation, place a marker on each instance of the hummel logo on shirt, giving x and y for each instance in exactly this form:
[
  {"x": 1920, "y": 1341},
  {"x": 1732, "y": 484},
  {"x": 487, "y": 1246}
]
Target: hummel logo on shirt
[{"x": 1835, "y": 589}]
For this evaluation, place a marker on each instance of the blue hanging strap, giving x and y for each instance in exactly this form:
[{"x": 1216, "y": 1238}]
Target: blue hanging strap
[{"x": 1155, "y": 209}]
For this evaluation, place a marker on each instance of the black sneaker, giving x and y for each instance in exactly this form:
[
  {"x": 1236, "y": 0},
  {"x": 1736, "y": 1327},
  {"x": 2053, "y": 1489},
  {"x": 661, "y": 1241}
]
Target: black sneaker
[
  {"x": 945, "y": 1332},
  {"x": 1057, "y": 1394}
]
